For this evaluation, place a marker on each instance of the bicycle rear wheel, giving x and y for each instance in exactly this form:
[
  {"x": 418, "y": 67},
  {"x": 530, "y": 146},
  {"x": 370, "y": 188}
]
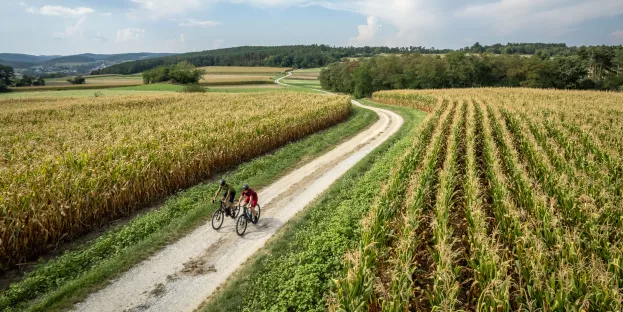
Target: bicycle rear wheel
[
  {"x": 254, "y": 219},
  {"x": 241, "y": 225},
  {"x": 217, "y": 218}
]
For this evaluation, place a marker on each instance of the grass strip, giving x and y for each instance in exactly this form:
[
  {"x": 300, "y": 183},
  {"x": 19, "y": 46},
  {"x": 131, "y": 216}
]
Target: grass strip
[
  {"x": 294, "y": 270},
  {"x": 60, "y": 282}
]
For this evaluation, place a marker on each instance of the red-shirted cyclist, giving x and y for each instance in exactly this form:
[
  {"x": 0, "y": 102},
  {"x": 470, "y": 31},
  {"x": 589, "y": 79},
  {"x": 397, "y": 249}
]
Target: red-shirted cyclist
[{"x": 249, "y": 195}]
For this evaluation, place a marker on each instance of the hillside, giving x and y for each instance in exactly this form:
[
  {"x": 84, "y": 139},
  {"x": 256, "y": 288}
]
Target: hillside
[
  {"x": 281, "y": 56},
  {"x": 70, "y": 59},
  {"x": 313, "y": 56},
  {"x": 16, "y": 64},
  {"x": 38, "y": 65},
  {"x": 25, "y": 58}
]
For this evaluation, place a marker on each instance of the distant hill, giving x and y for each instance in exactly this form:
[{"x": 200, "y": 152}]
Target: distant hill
[
  {"x": 69, "y": 64},
  {"x": 70, "y": 59},
  {"x": 310, "y": 56},
  {"x": 16, "y": 64},
  {"x": 25, "y": 58},
  {"x": 300, "y": 56}
]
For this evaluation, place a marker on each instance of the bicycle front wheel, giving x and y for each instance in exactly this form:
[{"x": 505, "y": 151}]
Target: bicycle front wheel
[
  {"x": 217, "y": 219},
  {"x": 241, "y": 225}
]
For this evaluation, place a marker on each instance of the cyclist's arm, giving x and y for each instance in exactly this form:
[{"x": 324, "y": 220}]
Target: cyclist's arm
[{"x": 217, "y": 191}]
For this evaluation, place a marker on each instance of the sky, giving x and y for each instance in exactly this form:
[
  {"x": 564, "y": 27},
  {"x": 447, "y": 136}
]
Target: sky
[{"x": 63, "y": 27}]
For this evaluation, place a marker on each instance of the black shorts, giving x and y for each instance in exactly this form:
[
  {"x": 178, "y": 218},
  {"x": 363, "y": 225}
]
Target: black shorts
[{"x": 232, "y": 196}]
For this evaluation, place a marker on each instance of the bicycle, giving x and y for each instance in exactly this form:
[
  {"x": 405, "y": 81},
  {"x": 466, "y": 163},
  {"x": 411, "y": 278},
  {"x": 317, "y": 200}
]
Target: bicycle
[
  {"x": 245, "y": 217},
  {"x": 218, "y": 216}
]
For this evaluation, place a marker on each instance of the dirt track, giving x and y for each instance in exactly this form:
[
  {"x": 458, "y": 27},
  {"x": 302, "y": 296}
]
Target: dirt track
[{"x": 182, "y": 275}]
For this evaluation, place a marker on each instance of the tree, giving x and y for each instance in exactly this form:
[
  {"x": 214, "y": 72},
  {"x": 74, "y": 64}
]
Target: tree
[
  {"x": 363, "y": 81},
  {"x": 38, "y": 82},
  {"x": 25, "y": 81},
  {"x": 77, "y": 80},
  {"x": 617, "y": 61},
  {"x": 185, "y": 73},
  {"x": 477, "y": 48},
  {"x": 6, "y": 75},
  {"x": 158, "y": 74},
  {"x": 570, "y": 73}
]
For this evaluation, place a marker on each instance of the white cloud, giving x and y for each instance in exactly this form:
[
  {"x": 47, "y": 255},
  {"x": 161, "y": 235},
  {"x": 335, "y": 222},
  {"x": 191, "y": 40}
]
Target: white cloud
[
  {"x": 367, "y": 33},
  {"x": 73, "y": 30},
  {"x": 51, "y": 10},
  {"x": 618, "y": 36},
  {"x": 553, "y": 16},
  {"x": 155, "y": 9},
  {"x": 217, "y": 44},
  {"x": 99, "y": 38},
  {"x": 190, "y": 22},
  {"x": 417, "y": 21},
  {"x": 130, "y": 34},
  {"x": 177, "y": 44}
]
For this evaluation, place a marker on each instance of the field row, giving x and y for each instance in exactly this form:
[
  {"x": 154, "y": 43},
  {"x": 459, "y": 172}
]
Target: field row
[
  {"x": 69, "y": 165},
  {"x": 503, "y": 202}
]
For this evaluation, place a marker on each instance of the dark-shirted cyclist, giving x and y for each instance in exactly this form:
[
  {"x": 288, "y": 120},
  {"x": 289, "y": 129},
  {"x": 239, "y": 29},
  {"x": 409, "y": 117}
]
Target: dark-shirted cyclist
[{"x": 229, "y": 194}]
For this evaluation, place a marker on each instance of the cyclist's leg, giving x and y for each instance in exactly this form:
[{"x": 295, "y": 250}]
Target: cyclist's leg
[
  {"x": 227, "y": 207},
  {"x": 253, "y": 204},
  {"x": 246, "y": 203},
  {"x": 232, "y": 197}
]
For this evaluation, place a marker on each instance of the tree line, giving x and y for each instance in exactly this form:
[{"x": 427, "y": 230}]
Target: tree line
[
  {"x": 310, "y": 56},
  {"x": 8, "y": 79},
  {"x": 362, "y": 77}
]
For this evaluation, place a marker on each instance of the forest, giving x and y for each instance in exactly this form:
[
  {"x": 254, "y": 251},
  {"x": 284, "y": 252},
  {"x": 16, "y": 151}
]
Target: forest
[
  {"x": 586, "y": 68},
  {"x": 310, "y": 56}
]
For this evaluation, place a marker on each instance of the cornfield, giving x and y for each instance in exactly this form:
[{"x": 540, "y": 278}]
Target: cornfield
[
  {"x": 508, "y": 199},
  {"x": 68, "y": 165}
]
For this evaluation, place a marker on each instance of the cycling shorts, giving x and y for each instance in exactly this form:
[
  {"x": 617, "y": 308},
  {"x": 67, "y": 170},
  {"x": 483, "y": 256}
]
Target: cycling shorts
[
  {"x": 232, "y": 196},
  {"x": 253, "y": 200}
]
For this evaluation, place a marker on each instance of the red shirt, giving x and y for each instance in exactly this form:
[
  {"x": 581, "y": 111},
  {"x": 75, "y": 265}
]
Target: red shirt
[{"x": 250, "y": 193}]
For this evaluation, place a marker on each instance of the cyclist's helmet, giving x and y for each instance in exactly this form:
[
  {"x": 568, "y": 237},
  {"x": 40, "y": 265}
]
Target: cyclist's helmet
[
  {"x": 245, "y": 187},
  {"x": 223, "y": 182}
]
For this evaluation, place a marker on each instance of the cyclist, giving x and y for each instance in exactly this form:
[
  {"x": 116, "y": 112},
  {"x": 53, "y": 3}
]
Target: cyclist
[
  {"x": 229, "y": 195},
  {"x": 249, "y": 194}
]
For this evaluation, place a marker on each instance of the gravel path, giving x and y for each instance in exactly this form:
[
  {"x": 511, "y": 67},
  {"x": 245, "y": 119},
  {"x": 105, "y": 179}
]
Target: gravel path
[{"x": 182, "y": 275}]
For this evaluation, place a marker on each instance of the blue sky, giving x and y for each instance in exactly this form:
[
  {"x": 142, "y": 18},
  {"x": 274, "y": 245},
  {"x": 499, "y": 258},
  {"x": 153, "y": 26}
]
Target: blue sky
[{"x": 117, "y": 26}]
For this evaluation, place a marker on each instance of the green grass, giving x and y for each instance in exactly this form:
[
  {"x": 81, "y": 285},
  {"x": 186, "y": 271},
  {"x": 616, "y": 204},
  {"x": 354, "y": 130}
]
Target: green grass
[
  {"x": 304, "y": 83},
  {"x": 308, "y": 70},
  {"x": 62, "y": 281},
  {"x": 295, "y": 269},
  {"x": 251, "y": 89}
]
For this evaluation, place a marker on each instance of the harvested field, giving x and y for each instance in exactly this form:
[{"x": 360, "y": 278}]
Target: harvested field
[{"x": 243, "y": 70}]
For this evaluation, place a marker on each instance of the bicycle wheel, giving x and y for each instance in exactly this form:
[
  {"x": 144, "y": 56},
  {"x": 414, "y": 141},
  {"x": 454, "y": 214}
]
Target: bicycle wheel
[
  {"x": 241, "y": 225},
  {"x": 217, "y": 218},
  {"x": 254, "y": 219}
]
